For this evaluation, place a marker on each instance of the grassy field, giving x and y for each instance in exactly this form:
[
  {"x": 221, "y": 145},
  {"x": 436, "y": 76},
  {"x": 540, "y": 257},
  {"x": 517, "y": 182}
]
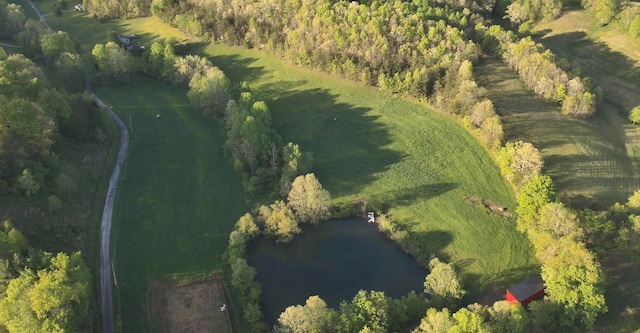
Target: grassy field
[
  {"x": 592, "y": 162},
  {"x": 612, "y": 58},
  {"x": 178, "y": 198},
  {"x": 419, "y": 163},
  {"x": 87, "y": 31}
]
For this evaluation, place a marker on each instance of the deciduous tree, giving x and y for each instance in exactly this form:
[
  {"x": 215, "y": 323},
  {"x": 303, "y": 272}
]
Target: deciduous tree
[
  {"x": 634, "y": 115},
  {"x": 507, "y": 317},
  {"x": 279, "y": 221},
  {"x": 53, "y": 299},
  {"x": 519, "y": 162},
  {"x": 309, "y": 201},
  {"x": 536, "y": 193},
  {"x": 209, "y": 91},
  {"x": 443, "y": 284},
  {"x": 54, "y": 44},
  {"x": 114, "y": 62},
  {"x": 313, "y": 317}
]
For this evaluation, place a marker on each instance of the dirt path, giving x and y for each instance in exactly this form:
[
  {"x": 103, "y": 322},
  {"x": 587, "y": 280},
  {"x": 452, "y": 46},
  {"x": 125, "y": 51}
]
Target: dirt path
[
  {"x": 37, "y": 11},
  {"x": 10, "y": 45},
  {"x": 106, "y": 272}
]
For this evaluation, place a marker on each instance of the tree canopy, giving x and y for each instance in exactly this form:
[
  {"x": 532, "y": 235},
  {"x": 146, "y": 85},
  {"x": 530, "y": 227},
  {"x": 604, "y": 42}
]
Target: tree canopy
[
  {"x": 53, "y": 299},
  {"x": 308, "y": 200},
  {"x": 443, "y": 284}
]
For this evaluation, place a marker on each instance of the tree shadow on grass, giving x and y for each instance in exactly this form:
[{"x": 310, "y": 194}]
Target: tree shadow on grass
[
  {"x": 579, "y": 154},
  {"x": 617, "y": 74},
  {"x": 236, "y": 67},
  {"x": 422, "y": 245},
  {"x": 348, "y": 143},
  {"x": 407, "y": 196},
  {"x": 487, "y": 293}
]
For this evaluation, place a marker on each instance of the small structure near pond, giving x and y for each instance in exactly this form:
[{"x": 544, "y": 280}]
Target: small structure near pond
[
  {"x": 371, "y": 217},
  {"x": 526, "y": 291}
]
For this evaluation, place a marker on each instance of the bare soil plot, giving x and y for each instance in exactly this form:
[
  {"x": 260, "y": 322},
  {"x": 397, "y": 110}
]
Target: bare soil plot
[{"x": 188, "y": 307}]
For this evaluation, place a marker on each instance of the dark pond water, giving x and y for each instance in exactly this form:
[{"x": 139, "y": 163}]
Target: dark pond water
[{"x": 334, "y": 260}]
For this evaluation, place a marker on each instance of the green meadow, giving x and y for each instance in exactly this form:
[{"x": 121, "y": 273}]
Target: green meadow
[
  {"x": 592, "y": 162},
  {"x": 609, "y": 151},
  {"x": 419, "y": 163},
  {"x": 612, "y": 58},
  {"x": 178, "y": 198}
]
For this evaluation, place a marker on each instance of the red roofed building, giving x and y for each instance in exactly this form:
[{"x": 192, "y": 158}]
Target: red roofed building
[{"x": 527, "y": 291}]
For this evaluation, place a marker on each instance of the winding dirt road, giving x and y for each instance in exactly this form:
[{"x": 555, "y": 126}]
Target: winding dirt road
[{"x": 106, "y": 272}]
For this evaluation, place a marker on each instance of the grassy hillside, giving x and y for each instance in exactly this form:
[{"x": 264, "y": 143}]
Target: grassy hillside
[
  {"x": 420, "y": 164},
  {"x": 592, "y": 162},
  {"x": 613, "y": 60},
  {"x": 178, "y": 198}
]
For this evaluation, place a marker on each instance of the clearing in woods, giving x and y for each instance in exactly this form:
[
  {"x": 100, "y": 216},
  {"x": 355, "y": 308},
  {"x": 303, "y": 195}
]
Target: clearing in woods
[{"x": 188, "y": 307}]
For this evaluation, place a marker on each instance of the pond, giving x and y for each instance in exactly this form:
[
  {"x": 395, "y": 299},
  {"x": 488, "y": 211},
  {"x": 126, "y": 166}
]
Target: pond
[{"x": 334, "y": 259}]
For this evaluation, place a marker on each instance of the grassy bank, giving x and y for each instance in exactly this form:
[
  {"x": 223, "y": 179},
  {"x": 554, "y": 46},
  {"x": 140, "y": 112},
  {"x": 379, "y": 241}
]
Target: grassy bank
[{"x": 178, "y": 198}]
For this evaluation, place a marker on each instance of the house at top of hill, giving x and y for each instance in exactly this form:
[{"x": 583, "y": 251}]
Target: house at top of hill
[{"x": 526, "y": 291}]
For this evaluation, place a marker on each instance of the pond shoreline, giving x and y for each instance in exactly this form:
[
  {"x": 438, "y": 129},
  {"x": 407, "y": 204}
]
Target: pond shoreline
[{"x": 334, "y": 259}]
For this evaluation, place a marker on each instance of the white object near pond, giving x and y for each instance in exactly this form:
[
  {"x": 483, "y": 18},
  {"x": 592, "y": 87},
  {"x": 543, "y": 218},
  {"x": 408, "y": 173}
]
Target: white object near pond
[
  {"x": 157, "y": 116},
  {"x": 223, "y": 307},
  {"x": 371, "y": 217}
]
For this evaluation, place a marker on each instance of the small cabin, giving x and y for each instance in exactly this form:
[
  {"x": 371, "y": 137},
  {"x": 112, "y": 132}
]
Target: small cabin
[{"x": 526, "y": 291}]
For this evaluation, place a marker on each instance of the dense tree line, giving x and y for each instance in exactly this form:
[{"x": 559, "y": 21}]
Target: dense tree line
[
  {"x": 525, "y": 12},
  {"x": 253, "y": 148},
  {"x": 102, "y": 9},
  {"x": 368, "y": 311},
  {"x": 34, "y": 114},
  {"x": 571, "y": 272},
  {"x": 541, "y": 71},
  {"x": 405, "y": 48},
  {"x": 629, "y": 20},
  {"x": 41, "y": 291},
  {"x": 373, "y": 311}
]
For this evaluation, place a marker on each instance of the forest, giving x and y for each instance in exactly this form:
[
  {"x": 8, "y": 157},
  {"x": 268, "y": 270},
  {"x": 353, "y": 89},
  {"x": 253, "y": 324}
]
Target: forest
[
  {"x": 423, "y": 50},
  {"x": 45, "y": 286}
]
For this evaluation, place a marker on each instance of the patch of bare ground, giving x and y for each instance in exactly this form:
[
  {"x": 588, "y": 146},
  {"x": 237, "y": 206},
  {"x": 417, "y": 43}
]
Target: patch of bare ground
[
  {"x": 495, "y": 292},
  {"x": 196, "y": 307},
  {"x": 490, "y": 206}
]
